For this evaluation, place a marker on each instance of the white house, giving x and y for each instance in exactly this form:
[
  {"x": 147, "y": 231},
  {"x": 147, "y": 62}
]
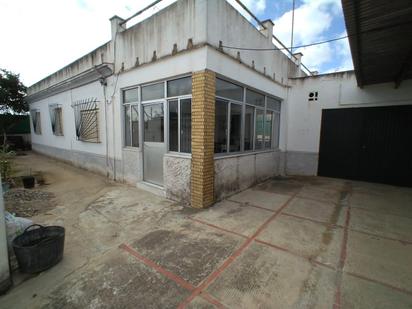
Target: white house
[{"x": 165, "y": 105}]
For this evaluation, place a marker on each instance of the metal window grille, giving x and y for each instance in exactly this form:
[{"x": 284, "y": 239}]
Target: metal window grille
[{"x": 86, "y": 115}]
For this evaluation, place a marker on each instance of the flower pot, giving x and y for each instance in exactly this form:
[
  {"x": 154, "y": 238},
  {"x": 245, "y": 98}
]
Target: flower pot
[{"x": 28, "y": 182}]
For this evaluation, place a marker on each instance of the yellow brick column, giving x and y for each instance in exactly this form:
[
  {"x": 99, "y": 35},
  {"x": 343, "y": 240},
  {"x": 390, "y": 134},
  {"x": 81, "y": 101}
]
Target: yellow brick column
[{"x": 203, "y": 130}]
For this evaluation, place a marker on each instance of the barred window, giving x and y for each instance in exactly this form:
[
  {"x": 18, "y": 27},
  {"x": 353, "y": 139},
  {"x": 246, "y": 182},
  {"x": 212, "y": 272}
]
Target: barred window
[
  {"x": 36, "y": 121},
  {"x": 86, "y": 114},
  {"x": 56, "y": 119}
]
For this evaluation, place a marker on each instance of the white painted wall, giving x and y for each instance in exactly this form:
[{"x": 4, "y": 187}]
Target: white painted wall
[{"x": 337, "y": 90}]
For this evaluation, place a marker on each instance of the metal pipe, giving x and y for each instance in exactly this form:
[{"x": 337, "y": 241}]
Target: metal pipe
[
  {"x": 140, "y": 12},
  {"x": 293, "y": 25},
  {"x": 251, "y": 14}
]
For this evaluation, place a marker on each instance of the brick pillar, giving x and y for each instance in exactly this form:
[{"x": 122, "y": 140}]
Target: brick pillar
[{"x": 203, "y": 130}]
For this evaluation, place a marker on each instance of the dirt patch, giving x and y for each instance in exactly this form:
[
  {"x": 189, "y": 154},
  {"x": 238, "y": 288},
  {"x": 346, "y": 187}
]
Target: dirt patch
[{"x": 28, "y": 203}]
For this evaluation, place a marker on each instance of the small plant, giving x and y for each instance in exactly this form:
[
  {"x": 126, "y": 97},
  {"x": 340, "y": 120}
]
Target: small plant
[{"x": 6, "y": 162}]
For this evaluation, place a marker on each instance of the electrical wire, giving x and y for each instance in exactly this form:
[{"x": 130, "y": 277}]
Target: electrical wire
[
  {"x": 321, "y": 42},
  {"x": 287, "y": 48}
]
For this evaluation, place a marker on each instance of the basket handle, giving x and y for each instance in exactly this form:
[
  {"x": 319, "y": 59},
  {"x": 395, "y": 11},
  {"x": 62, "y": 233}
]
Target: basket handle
[{"x": 30, "y": 226}]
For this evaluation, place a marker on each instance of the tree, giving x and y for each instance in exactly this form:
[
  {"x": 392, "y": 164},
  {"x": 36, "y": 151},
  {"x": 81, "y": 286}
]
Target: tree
[{"x": 12, "y": 93}]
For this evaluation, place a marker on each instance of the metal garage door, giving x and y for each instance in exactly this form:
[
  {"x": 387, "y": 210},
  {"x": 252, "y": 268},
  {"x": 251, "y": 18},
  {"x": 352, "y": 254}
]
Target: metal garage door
[{"x": 370, "y": 144}]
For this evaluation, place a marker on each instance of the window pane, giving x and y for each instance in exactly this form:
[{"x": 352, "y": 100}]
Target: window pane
[
  {"x": 179, "y": 86},
  {"x": 273, "y": 104},
  {"x": 268, "y": 129},
  {"x": 221, "y": 126},
  {"x": 153, "y": 92},
  {"x": 173, "y": 126},
  {"x": 153, "y": 123},
  {"x": 259, "y": 129},
  {"x": 235, "y": 126},
  {"x": 127, "y": 135},
  {"x": 186, "y": 125},
  {"x": 228, "y": 90},
  {"x": 249, "y": 120},
  {"x": 255, "y": 98},
  {"x": 130, "y": 95},
  {"x": 276, "y": 125},
  {"x": 135, "y": 125}
]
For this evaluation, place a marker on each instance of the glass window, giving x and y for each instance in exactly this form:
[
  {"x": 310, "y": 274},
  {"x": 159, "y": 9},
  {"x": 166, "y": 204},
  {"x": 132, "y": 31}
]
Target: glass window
[
  {"x": 273, "y": 104},
  {"x": 259, "y": 129},
  {"x": 255, "y": 98},
  {"x": 135, "y": 125},
  {"x": 268, "y": 129},
  {"x": 249, "y": 121},
  {"x": 173, "y": 126},
  {"x": 130, "y": 95},
  {"x": 235, "y": 127},
  {"x": 221, "y": 126},
  {"x": 153, "y": 92},
  {"x": 181, "y": 86},
  {"x": 186, "y": 125},
  {"x": 154, "y": 123},
  {"x": 228, "y": 90}
]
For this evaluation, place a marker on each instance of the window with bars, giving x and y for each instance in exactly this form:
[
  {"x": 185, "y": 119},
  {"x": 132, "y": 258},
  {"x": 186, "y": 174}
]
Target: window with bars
[
  {"x": 36, "y": 121},
  {"x": 56, "y": 119},
  {"x": 86, "y": 115}
]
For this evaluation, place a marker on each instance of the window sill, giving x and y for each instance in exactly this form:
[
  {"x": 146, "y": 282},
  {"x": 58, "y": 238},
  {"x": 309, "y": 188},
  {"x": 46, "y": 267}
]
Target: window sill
[
  {"x": 242, "y": 154},
  {"x": 132, "y": 149},
  {"x": 179, "y": 155}
]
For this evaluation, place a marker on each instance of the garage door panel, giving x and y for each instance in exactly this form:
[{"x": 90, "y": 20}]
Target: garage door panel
[{"x": 370, "y": 144}]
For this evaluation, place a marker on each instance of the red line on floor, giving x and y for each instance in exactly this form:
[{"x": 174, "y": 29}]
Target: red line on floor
[
  {"x": 401, "y": 290},
  {"x": 294, "y": 254},
  {"x": 158, "y": 268},
  {"x": 232, "y": 257},
  {"x": 179, "y": 280},
  {"x": 217, "y": 227}
]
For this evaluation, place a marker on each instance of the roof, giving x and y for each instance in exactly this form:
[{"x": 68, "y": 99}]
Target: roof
[{"x": 380, "y": 33}]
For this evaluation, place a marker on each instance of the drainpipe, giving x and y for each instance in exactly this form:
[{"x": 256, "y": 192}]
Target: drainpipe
[{"x": 5, "y": 278}]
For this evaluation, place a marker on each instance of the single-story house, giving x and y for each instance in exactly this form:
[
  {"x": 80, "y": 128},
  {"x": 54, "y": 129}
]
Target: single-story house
[{"x": 167, "y": 106}]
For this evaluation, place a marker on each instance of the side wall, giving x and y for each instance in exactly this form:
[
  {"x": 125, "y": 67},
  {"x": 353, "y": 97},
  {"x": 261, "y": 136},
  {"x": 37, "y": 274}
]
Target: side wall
[{"x": 337, "y": 90}]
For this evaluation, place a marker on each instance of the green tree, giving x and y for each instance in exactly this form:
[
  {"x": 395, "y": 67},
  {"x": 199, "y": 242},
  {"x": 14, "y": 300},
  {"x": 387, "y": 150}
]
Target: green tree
[{"x": 12, "y": 93}]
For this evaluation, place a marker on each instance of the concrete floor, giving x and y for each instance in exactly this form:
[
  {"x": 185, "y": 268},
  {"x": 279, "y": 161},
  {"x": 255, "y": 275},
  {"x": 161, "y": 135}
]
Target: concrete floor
[{"x": 303, "y": 242}]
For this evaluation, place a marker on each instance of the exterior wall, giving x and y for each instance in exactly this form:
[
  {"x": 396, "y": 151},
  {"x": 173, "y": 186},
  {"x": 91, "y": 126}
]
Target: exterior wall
[
  {"x": 237, "y": 173},
  {"x": 203, "y": 128},
  {"x": 177, "y": 170},
  {"x": 337, "y": 90},
  {"x": 227, "y": 25}
]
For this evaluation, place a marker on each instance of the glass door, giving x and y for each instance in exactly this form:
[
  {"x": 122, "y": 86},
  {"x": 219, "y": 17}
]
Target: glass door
[{"x": 154, "y": 146}]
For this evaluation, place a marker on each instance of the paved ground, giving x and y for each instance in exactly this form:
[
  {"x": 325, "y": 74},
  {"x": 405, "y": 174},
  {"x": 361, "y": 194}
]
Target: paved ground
[{"x": 288, "y": 243}]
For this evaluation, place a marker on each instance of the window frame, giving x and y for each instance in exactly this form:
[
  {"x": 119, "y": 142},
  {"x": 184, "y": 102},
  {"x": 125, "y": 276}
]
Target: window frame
[
  {"x": 140, "y": 102},
  {"x": 245, "y": 104},
  {"x": 178, "y": 99}
]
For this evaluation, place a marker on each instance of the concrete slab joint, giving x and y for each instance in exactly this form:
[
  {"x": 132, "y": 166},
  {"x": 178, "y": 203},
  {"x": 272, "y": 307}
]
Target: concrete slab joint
[{"x": 203, "y": 126}]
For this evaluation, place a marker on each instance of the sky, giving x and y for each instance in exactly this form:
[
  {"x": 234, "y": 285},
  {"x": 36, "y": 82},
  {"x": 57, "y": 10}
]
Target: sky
[{"x": 39, "y": 37}]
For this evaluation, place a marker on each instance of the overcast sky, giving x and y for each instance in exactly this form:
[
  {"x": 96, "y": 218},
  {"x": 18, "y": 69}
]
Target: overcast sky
[{"x": 40, "y": 37}]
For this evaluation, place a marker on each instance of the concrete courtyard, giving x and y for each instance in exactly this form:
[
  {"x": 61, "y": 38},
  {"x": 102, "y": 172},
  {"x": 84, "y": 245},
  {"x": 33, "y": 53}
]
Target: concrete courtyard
[{"x": 295, "y": 242}]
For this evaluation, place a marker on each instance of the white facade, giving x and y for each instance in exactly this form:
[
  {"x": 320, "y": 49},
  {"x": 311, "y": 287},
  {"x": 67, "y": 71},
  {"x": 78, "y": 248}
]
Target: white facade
[{"x": 183, "y": 38}]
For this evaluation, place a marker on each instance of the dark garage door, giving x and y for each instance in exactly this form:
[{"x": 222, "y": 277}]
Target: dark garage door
[{"x": 370, "y": 144}]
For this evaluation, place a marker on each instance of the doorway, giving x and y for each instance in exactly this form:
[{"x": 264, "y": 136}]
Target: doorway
[{"x": 154, "y": 146}]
